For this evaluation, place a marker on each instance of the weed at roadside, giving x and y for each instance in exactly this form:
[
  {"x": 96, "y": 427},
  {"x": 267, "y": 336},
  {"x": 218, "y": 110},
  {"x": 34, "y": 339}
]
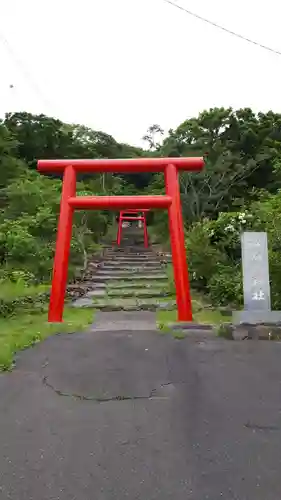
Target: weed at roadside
[{"x": 25, "y": 330}]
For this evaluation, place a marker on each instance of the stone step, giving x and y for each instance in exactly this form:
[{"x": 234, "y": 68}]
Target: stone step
[
  {"x": 131, "y": 255},
  {"x": 137, "y": 263},
  {"x": 133, "y": 285},
  {"x": 129, "y": 277},
  {"x": 124, "y": 304},
  {"x": 133, "y": 249},
  {"x": 129, "y": 293},
  {"x": 99, "y": 293},
  {"x": 127, "y": 272},
  {"x": 117, "y": 258},
  {"x": 124, "y": 264},
  {"x": 133, "y": 300},
  {"x": 157, "y": 293},
  {"x": 132, "y": 268}
]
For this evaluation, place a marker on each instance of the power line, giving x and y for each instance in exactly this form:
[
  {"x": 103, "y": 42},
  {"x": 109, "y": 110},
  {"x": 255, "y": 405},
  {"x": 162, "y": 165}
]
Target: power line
[
  {"x": 226, "y": 30},
  {"x": 25, "y": 73}
]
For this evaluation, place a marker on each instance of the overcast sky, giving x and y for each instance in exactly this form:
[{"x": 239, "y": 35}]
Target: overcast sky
[{"x": 122, "y": 65}]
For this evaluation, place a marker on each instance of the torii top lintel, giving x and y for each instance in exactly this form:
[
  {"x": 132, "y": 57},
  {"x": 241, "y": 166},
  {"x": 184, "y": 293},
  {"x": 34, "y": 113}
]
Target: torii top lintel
[{"x": 128, "y": 165}]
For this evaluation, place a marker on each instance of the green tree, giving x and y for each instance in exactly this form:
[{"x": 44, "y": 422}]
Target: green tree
[
  {"x": 153, "y": 135},
  {"x": 10, "y": 166},
  {"x": 240, "y": 149},
  {"x": 39, "y": 136}
]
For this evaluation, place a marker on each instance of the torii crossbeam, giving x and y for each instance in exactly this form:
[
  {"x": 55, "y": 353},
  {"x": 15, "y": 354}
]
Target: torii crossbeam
[{"x": 70, "y": 202}]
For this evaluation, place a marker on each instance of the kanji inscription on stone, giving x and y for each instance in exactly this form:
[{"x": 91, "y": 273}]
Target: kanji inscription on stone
[{"x": 256, "y": 285}]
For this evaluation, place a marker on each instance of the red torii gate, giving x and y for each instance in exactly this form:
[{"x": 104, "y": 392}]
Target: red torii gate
[
  {"x": 137, "y": 217},
  {"x": 70, "y": 202}
]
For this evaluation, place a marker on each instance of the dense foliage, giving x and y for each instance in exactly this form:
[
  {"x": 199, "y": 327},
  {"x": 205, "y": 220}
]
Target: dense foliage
[
  {"x": 239, "y": 188},
  {"x": 30, "y": 202}
]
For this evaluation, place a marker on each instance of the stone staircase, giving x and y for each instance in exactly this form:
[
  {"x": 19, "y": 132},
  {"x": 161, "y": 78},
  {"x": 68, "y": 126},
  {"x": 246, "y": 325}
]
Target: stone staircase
[{"x": 128, "y": 278}]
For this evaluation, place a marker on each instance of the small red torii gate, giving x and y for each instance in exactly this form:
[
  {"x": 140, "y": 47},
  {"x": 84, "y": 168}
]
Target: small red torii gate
[
  {"x": 137, "y": 217},
  {"x": 70, "y": 202}
]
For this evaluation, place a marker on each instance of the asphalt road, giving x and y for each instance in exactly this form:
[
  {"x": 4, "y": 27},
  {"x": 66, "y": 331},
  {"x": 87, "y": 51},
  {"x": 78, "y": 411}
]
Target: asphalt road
[{"x": 139, "y": 415}]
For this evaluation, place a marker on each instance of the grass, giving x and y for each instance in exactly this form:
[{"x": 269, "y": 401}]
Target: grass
[
  {"x": 202, "y": 316},
  {"x": 179, "y": 335},
  {"x": 9, "y": 290},
  {"x": 25, "y": 330}
]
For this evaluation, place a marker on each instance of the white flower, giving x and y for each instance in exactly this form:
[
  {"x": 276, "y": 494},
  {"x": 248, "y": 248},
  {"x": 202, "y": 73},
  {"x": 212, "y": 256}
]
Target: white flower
[
  {"x": 241, "y": 216},
  {"x": 230, "y": 228}
]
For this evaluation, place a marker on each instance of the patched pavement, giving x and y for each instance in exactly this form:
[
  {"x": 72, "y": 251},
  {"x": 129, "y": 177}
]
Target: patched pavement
[{"x": 132, "y": 413}]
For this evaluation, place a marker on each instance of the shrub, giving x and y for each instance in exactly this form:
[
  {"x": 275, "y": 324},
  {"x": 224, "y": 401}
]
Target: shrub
[
  {"x": 17, "y": 297},
  {"x": 225, "y": 232},
  {"x": 275, "y": 278},
  {"x": 225, "y": 330},
  {"x": 225, "y": 286},
  {"x": 203, "y": 258}
]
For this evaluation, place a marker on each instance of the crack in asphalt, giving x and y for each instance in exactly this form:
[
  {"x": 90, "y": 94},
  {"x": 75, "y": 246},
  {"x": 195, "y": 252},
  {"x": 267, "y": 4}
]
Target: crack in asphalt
[
  {"x": 258, "y": 427},
  {"x": 95, "y": 399}
]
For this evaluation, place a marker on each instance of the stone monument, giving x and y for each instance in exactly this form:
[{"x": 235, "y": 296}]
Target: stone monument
[{"x": 256, "y": 283}]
